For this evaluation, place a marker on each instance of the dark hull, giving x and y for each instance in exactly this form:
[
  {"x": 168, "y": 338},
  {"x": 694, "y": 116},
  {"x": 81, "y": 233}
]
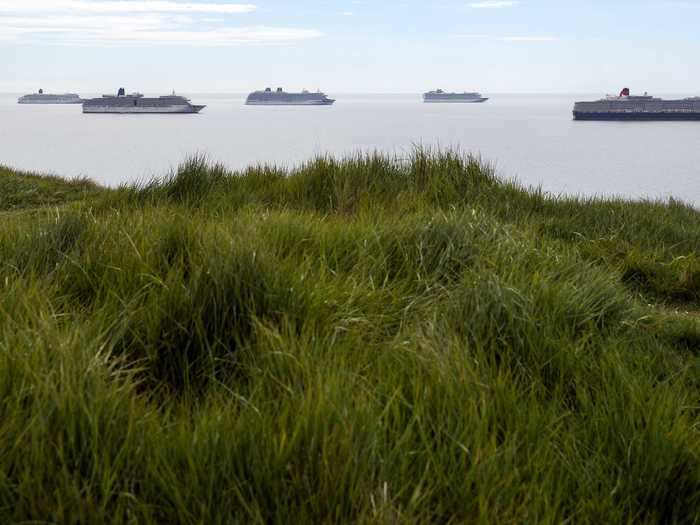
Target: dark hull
[
  {"x": 636, "y": 116},
  {"x": 141, "y": 110}
]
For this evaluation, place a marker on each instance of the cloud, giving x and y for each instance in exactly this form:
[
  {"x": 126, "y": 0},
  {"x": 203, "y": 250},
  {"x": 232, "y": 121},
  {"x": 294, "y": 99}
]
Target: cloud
[
  {"x": 121, "y": 6},
  {"x": 512, "y": 38},
  {"x": 100, "y": 22},
  {"x": 214, "y": 38},
  {"x": 124, "y": 30},
  {"x": 25, "y": 24},
  {"x": 528, "y": 38},
  {"x": 493, "y": 4}
]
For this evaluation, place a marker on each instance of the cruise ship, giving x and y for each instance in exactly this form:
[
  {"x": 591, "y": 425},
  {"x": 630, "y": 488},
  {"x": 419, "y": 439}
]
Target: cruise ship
[
  {"x": 637, "y": 107},
  {"x": 46, "y": 98},
  {"x": 136, "y": 103},
  {"x": 280, "y": 97},
  {"x": 439, "y": 96}
]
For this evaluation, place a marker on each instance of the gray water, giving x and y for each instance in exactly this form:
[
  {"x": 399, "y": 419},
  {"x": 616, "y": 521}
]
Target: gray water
[{"x": 528, "y": 137}]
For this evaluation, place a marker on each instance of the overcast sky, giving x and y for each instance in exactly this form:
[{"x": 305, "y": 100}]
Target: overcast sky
[{"x": 347, "y": 46}]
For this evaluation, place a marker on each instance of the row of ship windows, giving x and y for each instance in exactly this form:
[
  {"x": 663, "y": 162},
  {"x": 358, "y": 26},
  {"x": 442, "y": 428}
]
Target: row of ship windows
[{"x": 655, "y": 108}]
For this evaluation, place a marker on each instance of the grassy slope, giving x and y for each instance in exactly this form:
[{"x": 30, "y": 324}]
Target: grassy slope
[
  {"x": 23, "y": 190},
  {"x": 363, "y": 340}
]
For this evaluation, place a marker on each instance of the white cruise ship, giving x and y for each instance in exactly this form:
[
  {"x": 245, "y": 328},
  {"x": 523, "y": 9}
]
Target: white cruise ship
[
  {"x": 280, "y": 97},
  {"x": 46, "y": 98},
  {"x": 440, "y": 96},
  {"x": 136, "y": 103}
]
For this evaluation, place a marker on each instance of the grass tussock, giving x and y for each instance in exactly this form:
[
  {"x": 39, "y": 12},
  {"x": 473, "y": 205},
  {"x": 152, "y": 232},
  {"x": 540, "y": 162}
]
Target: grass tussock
[{"x": 368, "y": 340}]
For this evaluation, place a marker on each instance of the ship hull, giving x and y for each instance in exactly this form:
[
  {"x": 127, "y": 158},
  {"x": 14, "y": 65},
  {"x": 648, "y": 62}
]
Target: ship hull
[
  {"x": 637, "y": 116},
  {"x": 52, "y": 102},
  {"x": 137, "y": 110},
  {"x": 456, "y": 101}
]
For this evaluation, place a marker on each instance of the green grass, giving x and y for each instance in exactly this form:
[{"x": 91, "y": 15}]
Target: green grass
[
  {"x": 20, "y": 191},
  {"x": 364, "y": 340}
]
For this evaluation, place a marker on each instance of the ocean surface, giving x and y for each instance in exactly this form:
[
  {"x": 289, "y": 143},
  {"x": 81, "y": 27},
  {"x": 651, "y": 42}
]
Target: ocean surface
[{"x": 528, "y": 137}]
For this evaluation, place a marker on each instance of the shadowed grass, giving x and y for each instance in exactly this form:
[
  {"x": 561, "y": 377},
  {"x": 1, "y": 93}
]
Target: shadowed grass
[{"x": 366, "y": 340}]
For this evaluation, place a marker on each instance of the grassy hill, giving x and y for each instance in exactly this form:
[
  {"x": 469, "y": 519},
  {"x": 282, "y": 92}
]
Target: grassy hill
[{"x": 367, "y": 340}]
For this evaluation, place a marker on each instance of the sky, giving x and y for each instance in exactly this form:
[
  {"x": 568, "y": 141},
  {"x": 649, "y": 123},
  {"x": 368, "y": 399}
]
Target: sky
[{"x": 346, "y": 46}]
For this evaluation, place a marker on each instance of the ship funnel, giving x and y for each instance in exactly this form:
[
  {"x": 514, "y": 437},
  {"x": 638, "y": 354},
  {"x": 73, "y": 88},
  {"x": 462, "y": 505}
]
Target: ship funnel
[
  {"x": 121, "y": 92},
  {"x": 625, "y": 92},
  {"x": 41, "y": 91}
]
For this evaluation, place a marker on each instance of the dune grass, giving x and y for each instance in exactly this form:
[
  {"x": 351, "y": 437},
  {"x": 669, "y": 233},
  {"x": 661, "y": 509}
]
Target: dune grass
[{"x": 358, "y": 340}]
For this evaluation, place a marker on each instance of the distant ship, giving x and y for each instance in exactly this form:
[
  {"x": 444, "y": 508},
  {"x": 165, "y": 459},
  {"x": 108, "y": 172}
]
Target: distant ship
[
  {"x": 45, "y": 98},
  {"x": 282, "y": 98},
  {"x": 637, "y": 107},
  {"x": 137, "y": 103},
  {"x": 439, "y": 96}
]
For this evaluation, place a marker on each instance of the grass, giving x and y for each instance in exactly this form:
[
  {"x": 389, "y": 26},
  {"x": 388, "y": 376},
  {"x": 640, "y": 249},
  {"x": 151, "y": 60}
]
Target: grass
[
  {"x": 21, "y": 191},
  {"x": 365, "y": 340}
]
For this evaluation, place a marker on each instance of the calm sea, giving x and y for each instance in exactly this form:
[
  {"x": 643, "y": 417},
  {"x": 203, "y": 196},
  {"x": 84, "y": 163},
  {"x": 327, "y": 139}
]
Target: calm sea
[{"x": 528, "y": 137}]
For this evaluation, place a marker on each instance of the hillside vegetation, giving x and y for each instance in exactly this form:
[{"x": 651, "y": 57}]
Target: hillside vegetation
[{"x": 363, "y": 340}]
